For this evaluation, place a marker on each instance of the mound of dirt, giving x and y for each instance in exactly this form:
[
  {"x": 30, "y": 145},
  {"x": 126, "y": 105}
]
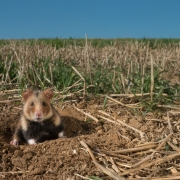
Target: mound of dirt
[{"x": 66, "y": 158}]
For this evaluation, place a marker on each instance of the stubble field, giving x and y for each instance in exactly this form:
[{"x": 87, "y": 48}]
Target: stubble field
[{"x": 119, "y": 101}]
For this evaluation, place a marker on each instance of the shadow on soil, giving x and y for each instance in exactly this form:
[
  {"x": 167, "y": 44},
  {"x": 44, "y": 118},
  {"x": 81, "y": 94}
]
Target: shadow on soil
[{"x": 73, "y": 127}]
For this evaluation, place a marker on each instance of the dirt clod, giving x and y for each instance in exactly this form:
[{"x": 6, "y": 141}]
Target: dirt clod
[
  {"x": 18, "y": 153},
  {"x": 38, "y": 171}
]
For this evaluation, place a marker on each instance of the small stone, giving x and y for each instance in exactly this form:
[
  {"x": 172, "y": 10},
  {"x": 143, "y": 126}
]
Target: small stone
[
  {"x": 4, "y": 151},
  {"x": 100, "y": 131}
]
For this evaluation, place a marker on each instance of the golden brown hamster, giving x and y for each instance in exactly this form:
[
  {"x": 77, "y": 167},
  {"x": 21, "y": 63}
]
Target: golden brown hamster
[{"x": 39, "y": 120}]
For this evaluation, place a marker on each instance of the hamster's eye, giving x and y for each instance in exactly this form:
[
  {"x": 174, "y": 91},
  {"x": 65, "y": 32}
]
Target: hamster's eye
[
  {"x": 44, "y": 104},
  {"x": 32, "y": 104}
]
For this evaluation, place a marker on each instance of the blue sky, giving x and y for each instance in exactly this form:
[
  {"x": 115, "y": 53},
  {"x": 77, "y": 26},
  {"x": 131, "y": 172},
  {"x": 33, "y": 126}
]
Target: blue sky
[{"x": 96, "y": 18}]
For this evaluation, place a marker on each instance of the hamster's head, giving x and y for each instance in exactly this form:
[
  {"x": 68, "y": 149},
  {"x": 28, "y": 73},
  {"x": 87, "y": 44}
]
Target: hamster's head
[{"x": 37, "y": 105}]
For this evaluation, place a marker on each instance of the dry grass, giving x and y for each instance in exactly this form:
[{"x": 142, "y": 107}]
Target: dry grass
[
  {"x": 128, "y": 57},
  {"x": 128, "y": 67},
  {"x": 133, "y": 75}
]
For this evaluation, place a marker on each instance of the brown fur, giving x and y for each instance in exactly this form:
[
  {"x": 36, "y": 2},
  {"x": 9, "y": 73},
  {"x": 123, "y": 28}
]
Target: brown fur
[
  {"x": 43, "y": 97},
  {"x": 38, "y": 113}
]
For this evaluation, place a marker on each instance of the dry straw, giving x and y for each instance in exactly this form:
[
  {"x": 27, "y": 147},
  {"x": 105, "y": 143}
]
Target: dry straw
[{"x": 130, "y": 78}]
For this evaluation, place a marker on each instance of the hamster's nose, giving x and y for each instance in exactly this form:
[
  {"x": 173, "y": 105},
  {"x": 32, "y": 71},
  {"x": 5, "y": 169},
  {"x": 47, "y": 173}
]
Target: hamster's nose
[{"x": 38, "y": 114}]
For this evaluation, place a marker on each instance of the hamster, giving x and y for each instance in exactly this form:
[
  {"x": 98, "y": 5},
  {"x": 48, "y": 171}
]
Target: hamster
[{"x": 39, "y": 120}]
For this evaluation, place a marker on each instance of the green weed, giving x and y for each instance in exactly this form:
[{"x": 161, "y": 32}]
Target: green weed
[{"x": 95, "y": 178}]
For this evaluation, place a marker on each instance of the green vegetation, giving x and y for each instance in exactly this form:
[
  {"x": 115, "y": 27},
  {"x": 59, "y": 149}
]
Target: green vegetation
[
  {"x": 98, "y": 42},
  {"x": 110, "y": 66},
  {"x": 95, "y": 178}
]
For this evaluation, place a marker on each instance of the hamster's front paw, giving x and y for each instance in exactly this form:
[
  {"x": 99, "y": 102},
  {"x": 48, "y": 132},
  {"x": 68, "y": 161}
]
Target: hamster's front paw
[
  {"x": 31, "y": 141},
  {"x": 14, "y": 142},
  {"x": 61, "y": 135}
]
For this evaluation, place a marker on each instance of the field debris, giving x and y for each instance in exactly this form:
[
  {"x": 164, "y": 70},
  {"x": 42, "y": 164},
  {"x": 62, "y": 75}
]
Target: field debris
[{"x": 120, "y": 104}]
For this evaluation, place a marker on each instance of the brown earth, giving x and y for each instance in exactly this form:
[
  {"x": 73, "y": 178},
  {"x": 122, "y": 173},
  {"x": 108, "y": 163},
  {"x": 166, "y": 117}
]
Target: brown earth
[{"x": 66, "y": 158}]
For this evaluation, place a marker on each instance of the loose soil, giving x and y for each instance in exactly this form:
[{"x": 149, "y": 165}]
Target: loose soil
[{"x": 66, "y": 158}]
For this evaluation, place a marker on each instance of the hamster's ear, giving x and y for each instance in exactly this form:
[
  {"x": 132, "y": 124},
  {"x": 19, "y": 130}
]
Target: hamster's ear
[
  {"x": 48, "y": 93},
  {"x": 26, "y": 94}
]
